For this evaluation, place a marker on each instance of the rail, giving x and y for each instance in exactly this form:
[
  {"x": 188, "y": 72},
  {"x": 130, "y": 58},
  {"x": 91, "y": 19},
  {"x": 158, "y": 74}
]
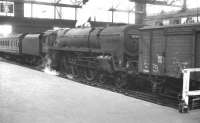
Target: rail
[{"x": 186, "y": 93}]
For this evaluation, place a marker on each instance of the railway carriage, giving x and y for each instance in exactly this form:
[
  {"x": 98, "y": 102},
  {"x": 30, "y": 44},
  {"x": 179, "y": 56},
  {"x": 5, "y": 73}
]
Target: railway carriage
[
  {"x": 166, "y": 50},
  {"x": 11, "y": 43}
]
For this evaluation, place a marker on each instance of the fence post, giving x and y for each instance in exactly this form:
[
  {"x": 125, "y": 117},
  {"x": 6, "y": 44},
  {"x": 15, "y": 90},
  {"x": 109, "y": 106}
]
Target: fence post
[{"x": 183, "y": 106}]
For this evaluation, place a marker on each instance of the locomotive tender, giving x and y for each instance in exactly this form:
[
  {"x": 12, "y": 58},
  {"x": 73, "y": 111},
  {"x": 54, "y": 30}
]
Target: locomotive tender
[{"x": 114, "y": 52}]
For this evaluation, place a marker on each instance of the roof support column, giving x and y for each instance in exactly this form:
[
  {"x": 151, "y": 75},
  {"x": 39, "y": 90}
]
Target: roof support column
[
  {"x": 19, "y": 9},
  {"x": 140, "y": 14}
]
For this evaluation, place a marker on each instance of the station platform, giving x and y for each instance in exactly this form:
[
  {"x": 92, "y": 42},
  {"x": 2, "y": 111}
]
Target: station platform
[{"x": 29, "y": 96}]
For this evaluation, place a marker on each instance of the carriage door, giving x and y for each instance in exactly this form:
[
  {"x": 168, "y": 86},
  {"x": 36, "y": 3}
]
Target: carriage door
[
  {"x": 197, "y": 53},
  {"x": 197, "y": 50}
]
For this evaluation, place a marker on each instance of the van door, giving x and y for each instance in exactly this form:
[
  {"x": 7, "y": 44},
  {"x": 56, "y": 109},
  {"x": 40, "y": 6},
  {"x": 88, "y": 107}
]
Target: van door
[{"x": 197, "y": 54}]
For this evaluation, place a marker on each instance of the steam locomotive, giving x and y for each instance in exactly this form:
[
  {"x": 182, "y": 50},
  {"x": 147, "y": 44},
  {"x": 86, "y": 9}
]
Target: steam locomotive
[
  {"x": 114, "y": 53},
  {"x": 97, "y": 53}
]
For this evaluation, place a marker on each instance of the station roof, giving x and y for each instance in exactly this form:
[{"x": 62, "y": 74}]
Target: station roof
[{"x": 60, "y": 3}]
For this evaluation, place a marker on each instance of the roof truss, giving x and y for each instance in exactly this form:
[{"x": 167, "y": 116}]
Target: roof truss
[{"x": 158, "y": 2}]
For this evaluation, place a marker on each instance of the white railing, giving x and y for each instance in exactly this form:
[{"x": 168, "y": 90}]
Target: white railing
[{"x": 183, "y": 106}]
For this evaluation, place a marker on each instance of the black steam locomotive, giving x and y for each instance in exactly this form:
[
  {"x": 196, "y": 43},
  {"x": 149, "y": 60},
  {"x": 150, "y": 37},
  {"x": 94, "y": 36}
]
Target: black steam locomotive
[
  {"x": 97, "y": 53},
  {"x": 116, "y": 53}
]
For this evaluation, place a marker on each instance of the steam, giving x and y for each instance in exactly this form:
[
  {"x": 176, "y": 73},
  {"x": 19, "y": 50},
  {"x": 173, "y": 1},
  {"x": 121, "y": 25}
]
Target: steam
[
  {"x": 47, "y": 67},
  {"x": 48, "y": 70},
  {"x": 69, "y": 76}
]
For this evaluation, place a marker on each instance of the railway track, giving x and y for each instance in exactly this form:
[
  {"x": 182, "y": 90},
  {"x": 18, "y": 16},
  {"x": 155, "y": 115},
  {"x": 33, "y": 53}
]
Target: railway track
[
  {"x": 160, "y": 99},
  {"x": 163, "y": 100}
]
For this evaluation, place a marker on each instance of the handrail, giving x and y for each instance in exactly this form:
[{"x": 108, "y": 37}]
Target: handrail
[{"x": 183, "y": 106}]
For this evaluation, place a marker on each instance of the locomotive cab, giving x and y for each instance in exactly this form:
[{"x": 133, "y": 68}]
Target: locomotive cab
[{"x": 48, "y": 40}]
